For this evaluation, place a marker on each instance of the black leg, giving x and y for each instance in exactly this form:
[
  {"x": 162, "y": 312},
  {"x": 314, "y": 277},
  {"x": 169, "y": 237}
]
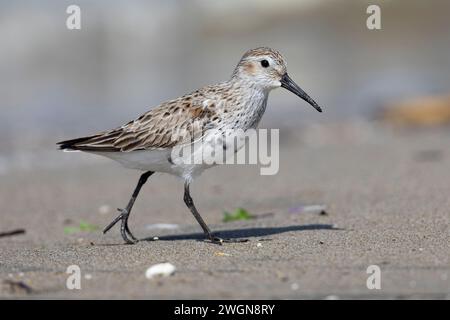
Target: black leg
[
  {"x": 190, "y": 204},
  {"x": 125, "y": 213}
]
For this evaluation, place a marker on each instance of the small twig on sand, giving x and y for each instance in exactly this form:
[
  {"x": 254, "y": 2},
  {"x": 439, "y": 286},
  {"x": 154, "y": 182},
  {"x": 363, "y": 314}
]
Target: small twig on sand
[
  {"x": 12, "y": 233},
  {"x": 18, "y": 287},
  {"x": 263, "y": 215}
]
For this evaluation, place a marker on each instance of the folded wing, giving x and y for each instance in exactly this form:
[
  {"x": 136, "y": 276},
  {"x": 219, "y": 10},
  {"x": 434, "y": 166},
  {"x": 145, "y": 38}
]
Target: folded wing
[{"x": 171, "y": 123}]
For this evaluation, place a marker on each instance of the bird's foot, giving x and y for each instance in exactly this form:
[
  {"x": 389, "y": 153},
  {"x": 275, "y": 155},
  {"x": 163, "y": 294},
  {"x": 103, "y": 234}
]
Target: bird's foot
[
  {"x": 220, "y": 241},
  {"x": 127, "y": 236}
]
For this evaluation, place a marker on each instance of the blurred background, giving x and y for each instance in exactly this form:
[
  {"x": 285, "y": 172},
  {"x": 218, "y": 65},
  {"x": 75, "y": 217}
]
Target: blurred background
[{"x": 129, "y": 56}]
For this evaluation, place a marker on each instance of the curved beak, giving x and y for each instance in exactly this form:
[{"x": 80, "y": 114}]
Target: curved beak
[{"x": 289, "y": 84}]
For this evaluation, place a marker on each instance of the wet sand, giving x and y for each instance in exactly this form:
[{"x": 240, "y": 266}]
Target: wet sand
[{"x": 387, "y": 200}]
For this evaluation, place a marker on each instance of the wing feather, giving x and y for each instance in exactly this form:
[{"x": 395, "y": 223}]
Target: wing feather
[{"x": 162, "y": 127}]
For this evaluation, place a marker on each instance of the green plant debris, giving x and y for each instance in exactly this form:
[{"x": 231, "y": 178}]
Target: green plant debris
[
  {"x": 83, "y": 226},
  {"x": 239, "y": 214}
]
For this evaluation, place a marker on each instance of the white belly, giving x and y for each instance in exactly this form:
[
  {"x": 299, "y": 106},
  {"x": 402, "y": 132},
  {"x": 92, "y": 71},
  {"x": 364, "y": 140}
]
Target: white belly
[{"x": 157, "y": 161}]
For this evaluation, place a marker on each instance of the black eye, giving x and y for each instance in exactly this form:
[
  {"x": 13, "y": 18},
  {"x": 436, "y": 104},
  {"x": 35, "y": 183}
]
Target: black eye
[{"x": 265, "y": 63}]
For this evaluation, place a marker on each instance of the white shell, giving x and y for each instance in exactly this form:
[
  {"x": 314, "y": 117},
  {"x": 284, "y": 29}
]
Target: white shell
[{"x": 160, "y": 270}]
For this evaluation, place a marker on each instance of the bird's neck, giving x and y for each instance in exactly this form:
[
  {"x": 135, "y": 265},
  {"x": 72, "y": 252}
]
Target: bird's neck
[
  {"x": 249, "y": 84},
  {"x": 253, "y": 92},
  {"x": 251, "y": 105}
]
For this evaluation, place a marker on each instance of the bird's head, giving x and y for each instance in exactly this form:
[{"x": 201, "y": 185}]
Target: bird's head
[{"x": 266, "y": 68}]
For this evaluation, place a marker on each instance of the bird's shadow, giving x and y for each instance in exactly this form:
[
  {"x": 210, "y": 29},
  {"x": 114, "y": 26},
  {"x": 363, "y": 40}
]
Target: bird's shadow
[{"x": 246, "y": 233}]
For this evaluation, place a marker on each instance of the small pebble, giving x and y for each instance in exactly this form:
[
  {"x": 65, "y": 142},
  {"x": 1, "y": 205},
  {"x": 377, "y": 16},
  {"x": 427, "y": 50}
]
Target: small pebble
[
  {"x": 259, "y": 244},
  {"x": 160, "y": 270},
  {"x": 104, "y": 209},
  {"x": 282, "y": 276},
  {"x": 295, "y": 286},
  {"x": 221, "y": 254},
  {"x": 315, "y": 208}
]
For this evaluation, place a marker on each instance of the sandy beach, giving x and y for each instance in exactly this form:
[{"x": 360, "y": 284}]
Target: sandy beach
[{"x": 387, "y": 204}]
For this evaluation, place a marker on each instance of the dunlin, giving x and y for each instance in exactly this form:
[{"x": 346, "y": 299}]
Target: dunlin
[{"x": 147, "y": 143}]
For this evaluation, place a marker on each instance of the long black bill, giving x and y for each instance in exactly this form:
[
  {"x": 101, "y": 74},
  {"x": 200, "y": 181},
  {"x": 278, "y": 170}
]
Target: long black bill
[{"x": 288, "y": 83}]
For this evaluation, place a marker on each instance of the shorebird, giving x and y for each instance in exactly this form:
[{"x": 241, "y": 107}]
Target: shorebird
[{"x": 146, "y": 143}]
